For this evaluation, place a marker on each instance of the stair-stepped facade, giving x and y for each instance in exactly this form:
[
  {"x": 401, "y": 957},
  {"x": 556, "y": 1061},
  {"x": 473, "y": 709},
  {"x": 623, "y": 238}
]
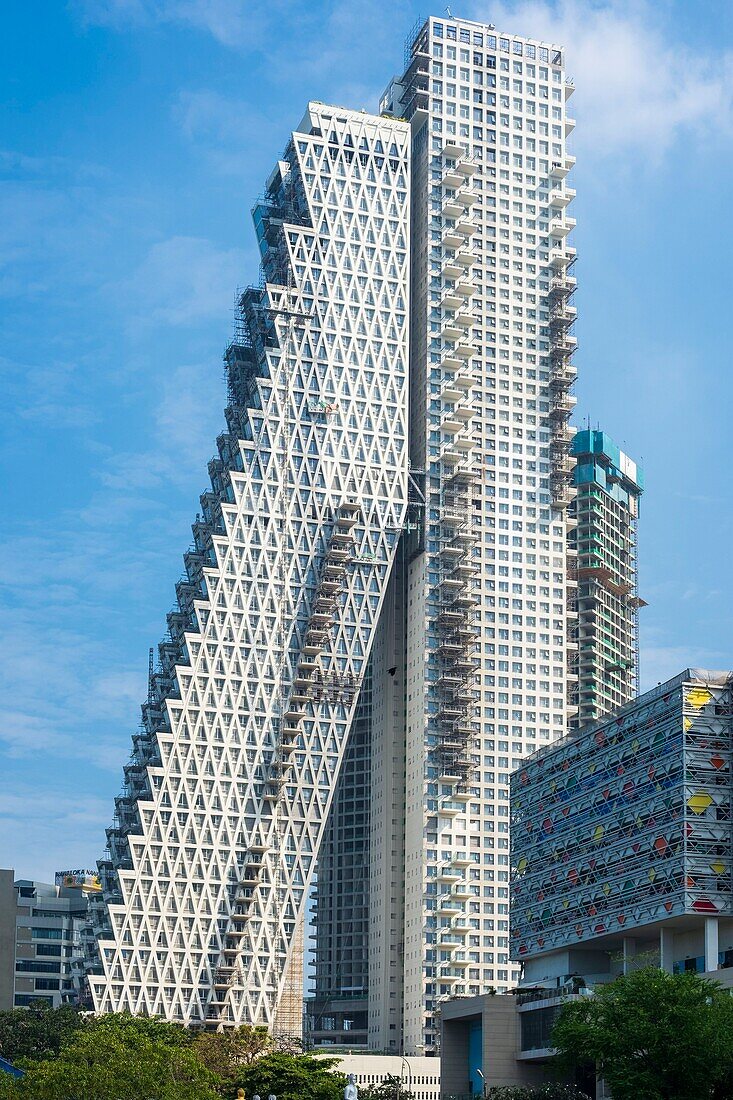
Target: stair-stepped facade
[{"x": 230, "y": 780}]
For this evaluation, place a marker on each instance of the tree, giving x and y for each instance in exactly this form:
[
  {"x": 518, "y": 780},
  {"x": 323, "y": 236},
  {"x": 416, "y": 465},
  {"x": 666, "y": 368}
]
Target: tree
[
  {"x": 226, "y": 1053},
  {"x": 651, "y": 1034},
  {"x": 292, "y": 1077},
  {"x": 37, "y": 1031},
  {"x": 119, "y": 1057},
  {"x": 391, "y": 1088}
]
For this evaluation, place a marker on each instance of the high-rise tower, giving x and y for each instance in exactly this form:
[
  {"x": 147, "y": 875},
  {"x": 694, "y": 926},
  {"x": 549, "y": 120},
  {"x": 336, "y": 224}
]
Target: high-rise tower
[
  {"x": 606, "y": 508},
  {"x": 231, "y": 777},
  {"x": 483, "y": 656}
]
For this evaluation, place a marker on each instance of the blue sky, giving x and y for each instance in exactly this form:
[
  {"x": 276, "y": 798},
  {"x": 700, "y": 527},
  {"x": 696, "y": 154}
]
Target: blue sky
[{"x": 135, "y": 136}]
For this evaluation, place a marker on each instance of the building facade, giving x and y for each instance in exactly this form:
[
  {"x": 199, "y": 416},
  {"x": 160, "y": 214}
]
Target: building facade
[
  {"x": 40, "y": 939},
  {"x": 417, "y": 1076},
  {"x": 609, "y": 485},
  {"x": 626, "y": 827},
  {"x": 481, "y": 668},
  {"x": 622, "y": 851},
  {"x": 231, "y": 777},
  {"x": 436, "y": 233}
]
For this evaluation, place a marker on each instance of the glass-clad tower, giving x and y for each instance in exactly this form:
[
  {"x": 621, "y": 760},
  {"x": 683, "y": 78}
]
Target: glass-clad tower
[
  {"x": 483, "y": 660},
  {"x": 609, "y": 485},
  {"x": 231, "y": 776}
]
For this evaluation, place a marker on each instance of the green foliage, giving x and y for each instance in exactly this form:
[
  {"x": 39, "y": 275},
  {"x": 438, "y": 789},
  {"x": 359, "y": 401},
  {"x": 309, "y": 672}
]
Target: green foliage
[
  {"x": 119, "y": 1057},
  {"x": 37, "y": 1031},
  {"x": 653, "y": 1035},
  {"x": 293, "y": 1077},
  {"x": 125, "y": 1057},
  {"x": 133, "y": 1028},
  {"x": 391, "y": 1088},
  {"x": 226, "y": 1053}
]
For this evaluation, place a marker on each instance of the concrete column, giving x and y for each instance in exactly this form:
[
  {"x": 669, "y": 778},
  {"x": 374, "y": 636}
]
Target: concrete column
[
  {"x": 666, "y": 949},
  {"x": 629, "y": 953},
  {"x": 711, "y": 943}
]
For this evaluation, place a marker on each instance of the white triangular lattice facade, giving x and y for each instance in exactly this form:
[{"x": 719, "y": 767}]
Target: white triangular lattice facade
[{"x": 231, "y": 777}]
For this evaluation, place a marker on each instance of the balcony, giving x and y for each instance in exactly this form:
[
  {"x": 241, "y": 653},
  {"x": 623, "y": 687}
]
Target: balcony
[
  {"x": 451, "y": 423},
  {"x": 451, "y": 361},
  {"x": 337, "y": 554},
  {"x": 453, "y": 150},
  {"x": 562, "y": 405},
  {"x": 448, "y": 873},
  {"x": 452, "y": 267},
  {"x": 560, "y": 169},
  {"x": 453, "y": 177},
  {"x": 448, "y": 807},
  {"x": 464, "y": 350},
  {"x": 448, "y": 904},
  {"x": 452, "y": 207},
  {"x": 451, "y": 392},
  {"x": 454, "y": 327},
  {"x": 451, "y": 299},
  {"x": 559, "y": 200},
  {"x": 449, "y": 941},
  {"x": 560, "y": 229},
  {"x": 453, "y": 238}
]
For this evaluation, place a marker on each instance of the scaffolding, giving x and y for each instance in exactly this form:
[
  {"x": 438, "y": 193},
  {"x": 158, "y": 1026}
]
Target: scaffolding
[{"x": 563, "y": 346}]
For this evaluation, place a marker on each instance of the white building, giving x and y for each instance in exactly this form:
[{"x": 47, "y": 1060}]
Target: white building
[
  {"x": 481, "y": 660},
  {"x": 419, "y": 1076},
  {"x": 230, "y": 780},
  {"x": 457, "y": 220}
]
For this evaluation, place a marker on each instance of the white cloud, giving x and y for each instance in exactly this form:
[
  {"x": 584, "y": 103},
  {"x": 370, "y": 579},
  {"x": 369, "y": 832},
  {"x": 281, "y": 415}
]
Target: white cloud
[
  {"x": 46, "y": 829},
  {"x": 637, "y": 88},
  {"x": 660, "y": 663},
  {"x": 234, "y": 135},
  {"x": 181, "y": 281},
  {"x": 231, "y": 22}
]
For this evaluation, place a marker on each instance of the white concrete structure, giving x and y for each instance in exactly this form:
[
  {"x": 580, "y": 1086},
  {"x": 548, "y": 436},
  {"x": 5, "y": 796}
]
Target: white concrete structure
[
  {"x": 230, "y": 781},
  {"x": 482, "y": 656},
  {"x": 419, "y": 1076}
]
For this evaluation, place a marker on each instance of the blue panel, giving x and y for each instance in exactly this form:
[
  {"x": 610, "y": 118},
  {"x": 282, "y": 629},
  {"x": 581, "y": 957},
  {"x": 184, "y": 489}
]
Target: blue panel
[{"x": 475, "y": 1056}]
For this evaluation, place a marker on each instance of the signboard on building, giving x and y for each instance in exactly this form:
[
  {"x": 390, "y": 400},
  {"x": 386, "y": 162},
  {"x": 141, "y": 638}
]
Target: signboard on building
[{"x": 78, "y": 880}]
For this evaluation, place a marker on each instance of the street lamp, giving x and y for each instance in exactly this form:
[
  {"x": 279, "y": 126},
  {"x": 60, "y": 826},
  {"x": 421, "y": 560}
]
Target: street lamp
[
  {"x": 409, "y": 1074},
  {"x": 483, "y": 1081}
]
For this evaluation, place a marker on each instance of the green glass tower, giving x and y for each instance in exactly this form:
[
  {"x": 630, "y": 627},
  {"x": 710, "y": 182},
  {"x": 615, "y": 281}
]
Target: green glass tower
[{"x": 606, "y": 508}]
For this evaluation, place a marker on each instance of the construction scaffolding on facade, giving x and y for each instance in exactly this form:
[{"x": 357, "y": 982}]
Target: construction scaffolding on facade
[{"x": 605, "y": 607}]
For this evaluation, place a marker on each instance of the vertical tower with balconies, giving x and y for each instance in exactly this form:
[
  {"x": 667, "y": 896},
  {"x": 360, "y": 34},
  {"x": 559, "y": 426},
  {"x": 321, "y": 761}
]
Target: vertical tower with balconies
[
  {"x": 609, "y": 485},
  {"x": 486, "y": 654}
]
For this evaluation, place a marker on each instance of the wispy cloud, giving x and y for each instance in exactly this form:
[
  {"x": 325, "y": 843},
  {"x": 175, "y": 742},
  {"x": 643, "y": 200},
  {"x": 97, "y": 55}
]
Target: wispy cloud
[
  {"x": 660, "y": 662},
  {"x": 47, "y": 829},
  {"x": 638, "y": 89},
  {"x": 180, "y": 281},
  {"x": 232, "y": 134},
  {"x": 230, "y": 22}
]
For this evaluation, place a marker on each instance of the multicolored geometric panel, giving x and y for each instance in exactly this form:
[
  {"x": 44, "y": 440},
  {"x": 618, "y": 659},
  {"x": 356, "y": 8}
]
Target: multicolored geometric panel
[{"x": 627, "y": 823}]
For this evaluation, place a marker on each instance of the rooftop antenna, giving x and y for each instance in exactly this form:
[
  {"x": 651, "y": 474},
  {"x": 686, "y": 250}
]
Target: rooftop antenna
[{"x": 449, "y": 13}]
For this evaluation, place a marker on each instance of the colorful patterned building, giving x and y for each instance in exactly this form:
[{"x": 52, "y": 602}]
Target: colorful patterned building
[{"x": 623, "y": 832}]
